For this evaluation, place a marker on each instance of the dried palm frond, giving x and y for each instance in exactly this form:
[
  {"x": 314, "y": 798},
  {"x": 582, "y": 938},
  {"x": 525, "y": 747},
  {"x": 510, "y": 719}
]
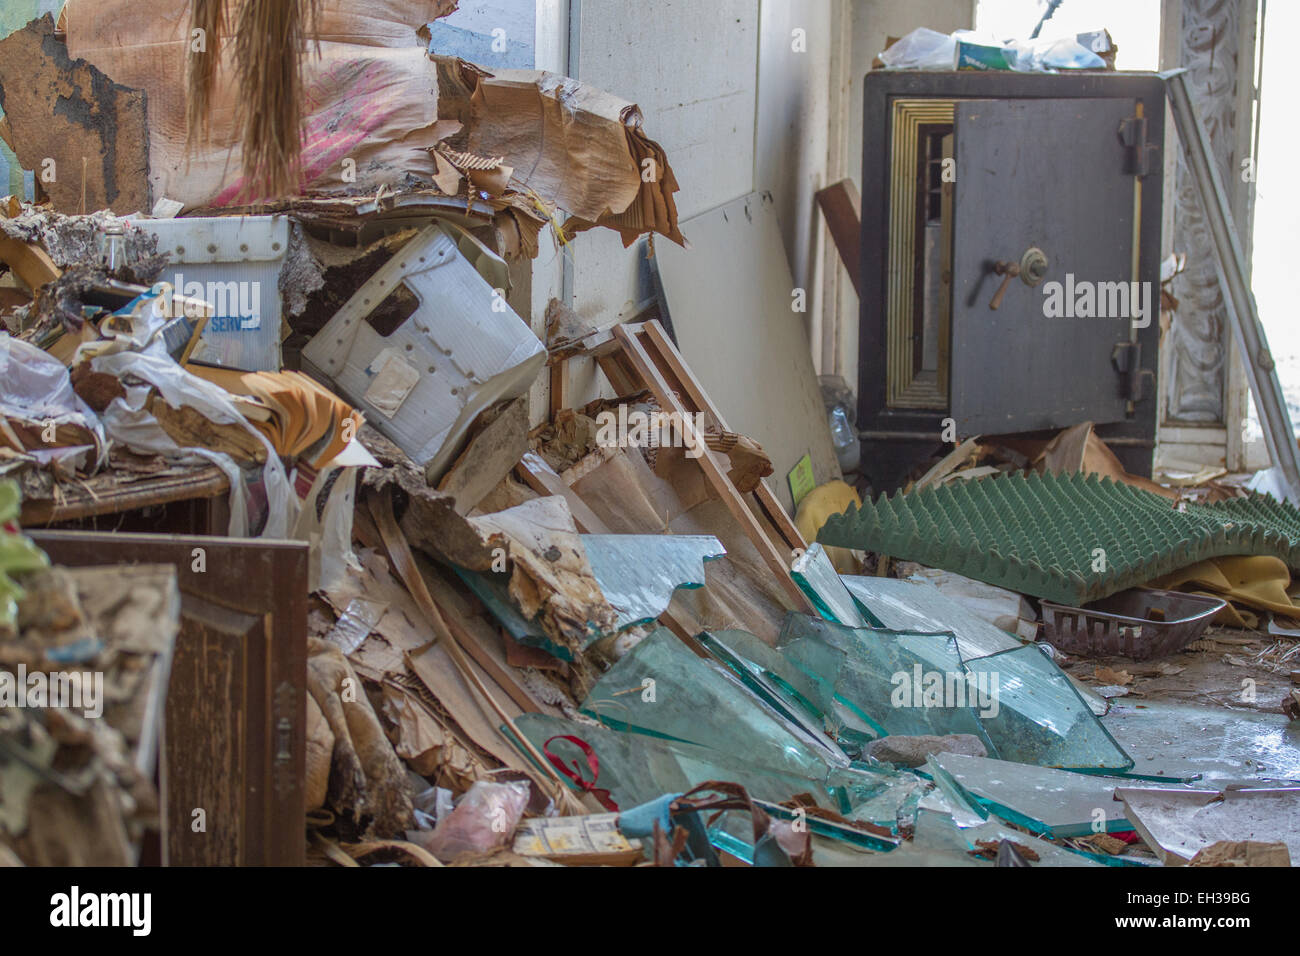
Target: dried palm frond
[
  {"x": 207, "y": 24},
  {"x": 270, "y": 38}
]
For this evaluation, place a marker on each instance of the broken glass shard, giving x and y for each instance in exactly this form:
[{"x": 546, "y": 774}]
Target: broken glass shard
[
  {"x": 1056, "y": 803},
  {"x": 492, "y": 588},
  {"x": 920, "y": 607},
  {"x": 1181, "y": 742},
  {"x": 635, "y": 768},
  {"x": 638, "y": 573},
  {"x": 662, "y": 689},
  {"x": 965, "y": 811},
  {"x": 900, "y": 683},
  {"x": 1034, "y": 715},
  {"x": 768, "y": 674},
  {"x": 893, "y": 804},
  {"x": 818, "y": 579},
  {"x": 1048, "y": 854}
]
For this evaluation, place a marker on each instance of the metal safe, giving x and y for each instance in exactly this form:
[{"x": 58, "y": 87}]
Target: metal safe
[{"x": 1010, "y": 261}]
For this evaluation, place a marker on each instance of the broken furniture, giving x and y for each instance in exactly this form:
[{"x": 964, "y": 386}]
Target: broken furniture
[
  {"x": 456, "y": 350},
  {"x": 235, "y": 718},
  {"x": 193, "y": 499},
  {"x": 641, "y": 355},
  {"x": 963, "y": 193},
  {"x": 732, "y": 305}
]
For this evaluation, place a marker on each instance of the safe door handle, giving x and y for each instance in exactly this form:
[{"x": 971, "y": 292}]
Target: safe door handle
[{"x": 1031, "y": 269}]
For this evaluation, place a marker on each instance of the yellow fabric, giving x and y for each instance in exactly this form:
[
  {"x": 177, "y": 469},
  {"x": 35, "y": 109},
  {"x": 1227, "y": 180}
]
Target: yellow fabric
[
  {"x": 818, "y": 505},
  {"x": 1250, "y": 583}
]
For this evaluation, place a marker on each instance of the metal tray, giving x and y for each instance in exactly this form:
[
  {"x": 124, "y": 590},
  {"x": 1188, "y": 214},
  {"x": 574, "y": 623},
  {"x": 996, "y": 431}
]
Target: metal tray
[{"x": 1140, "y": 623}]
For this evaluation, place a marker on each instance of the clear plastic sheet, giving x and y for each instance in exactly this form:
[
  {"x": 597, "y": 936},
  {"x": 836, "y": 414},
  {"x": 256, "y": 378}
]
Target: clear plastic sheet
[
  {"x": 126, "y": 420},
  {"x": 35, "y": 389}
]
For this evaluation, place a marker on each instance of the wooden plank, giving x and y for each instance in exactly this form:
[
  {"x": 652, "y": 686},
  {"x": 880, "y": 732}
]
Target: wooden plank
[
  {"x": 88, "y": 499},
  {"x": 29, "y": 262},
  {"x": 841, "y": 206},
  {"x": 544, "y": 480},
  {"x": 734, "y": 310},
  {"x": 559, "y": 391},
  {"x": 616, "y": 371},
  {"x": 774, "y": 558},
  {"x": 661, "y": 347}
]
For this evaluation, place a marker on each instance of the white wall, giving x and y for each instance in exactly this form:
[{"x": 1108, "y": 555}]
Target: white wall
[{"x": 738, "y": 109}]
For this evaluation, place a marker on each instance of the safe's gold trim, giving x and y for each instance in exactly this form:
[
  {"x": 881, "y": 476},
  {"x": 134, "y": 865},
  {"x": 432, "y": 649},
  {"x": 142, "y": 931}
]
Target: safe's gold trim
[{"x": 904, "y": 388}]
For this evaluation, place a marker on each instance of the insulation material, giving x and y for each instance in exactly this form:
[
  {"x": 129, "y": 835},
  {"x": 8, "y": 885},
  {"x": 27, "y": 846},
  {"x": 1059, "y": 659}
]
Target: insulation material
[
  {"x": 551, "y": 576},
  {"x": 370, "y": 96},
  {"x": 1071, "y": 539}
]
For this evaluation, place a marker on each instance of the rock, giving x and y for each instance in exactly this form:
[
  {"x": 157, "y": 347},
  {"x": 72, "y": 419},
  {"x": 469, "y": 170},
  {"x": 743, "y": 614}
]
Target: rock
[{"x": 914, "y": 751}]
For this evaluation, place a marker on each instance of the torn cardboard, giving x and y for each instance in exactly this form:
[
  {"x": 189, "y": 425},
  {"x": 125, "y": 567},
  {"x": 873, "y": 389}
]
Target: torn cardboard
[{"x": 85, "y": 137}]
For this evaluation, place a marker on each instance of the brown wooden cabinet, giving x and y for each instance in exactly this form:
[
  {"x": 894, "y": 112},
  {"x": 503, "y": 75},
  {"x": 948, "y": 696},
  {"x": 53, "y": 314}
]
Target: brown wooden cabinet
[{"x": 234, "y": 734}]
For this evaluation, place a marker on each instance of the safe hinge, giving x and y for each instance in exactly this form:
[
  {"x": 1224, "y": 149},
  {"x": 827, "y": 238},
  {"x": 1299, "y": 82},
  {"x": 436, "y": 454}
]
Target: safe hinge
[
  {"x": 1143, "y": 156},
  {"x": 1127, "y": 359}
]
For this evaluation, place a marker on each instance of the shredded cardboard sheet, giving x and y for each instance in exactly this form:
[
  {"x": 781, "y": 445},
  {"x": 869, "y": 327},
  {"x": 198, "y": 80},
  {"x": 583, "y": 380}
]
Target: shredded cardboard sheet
[
  {"x": 564, "y": 139},
  {"x": 576, "y": 146}
]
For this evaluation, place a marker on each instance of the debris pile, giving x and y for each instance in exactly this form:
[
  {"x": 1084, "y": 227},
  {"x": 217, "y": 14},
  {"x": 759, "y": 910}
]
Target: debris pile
[{"x": 582, "y": 634}]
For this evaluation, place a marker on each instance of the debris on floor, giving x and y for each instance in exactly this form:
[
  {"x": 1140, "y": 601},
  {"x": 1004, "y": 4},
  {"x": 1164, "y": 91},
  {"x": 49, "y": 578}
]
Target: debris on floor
[{"x": 570, "y": 630}]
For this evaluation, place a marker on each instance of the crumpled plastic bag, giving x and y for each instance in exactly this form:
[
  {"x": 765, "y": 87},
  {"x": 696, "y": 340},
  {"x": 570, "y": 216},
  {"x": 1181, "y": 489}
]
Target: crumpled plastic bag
[
  {"x": 922, "y": 49},
  {"x": 1042, "y": 55},
  {"x": 926, "y": 49},
  {"x": 35, "y": 389},
  {"x": 485, "y": 819},
  {"x": 128, "y": 420}
]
